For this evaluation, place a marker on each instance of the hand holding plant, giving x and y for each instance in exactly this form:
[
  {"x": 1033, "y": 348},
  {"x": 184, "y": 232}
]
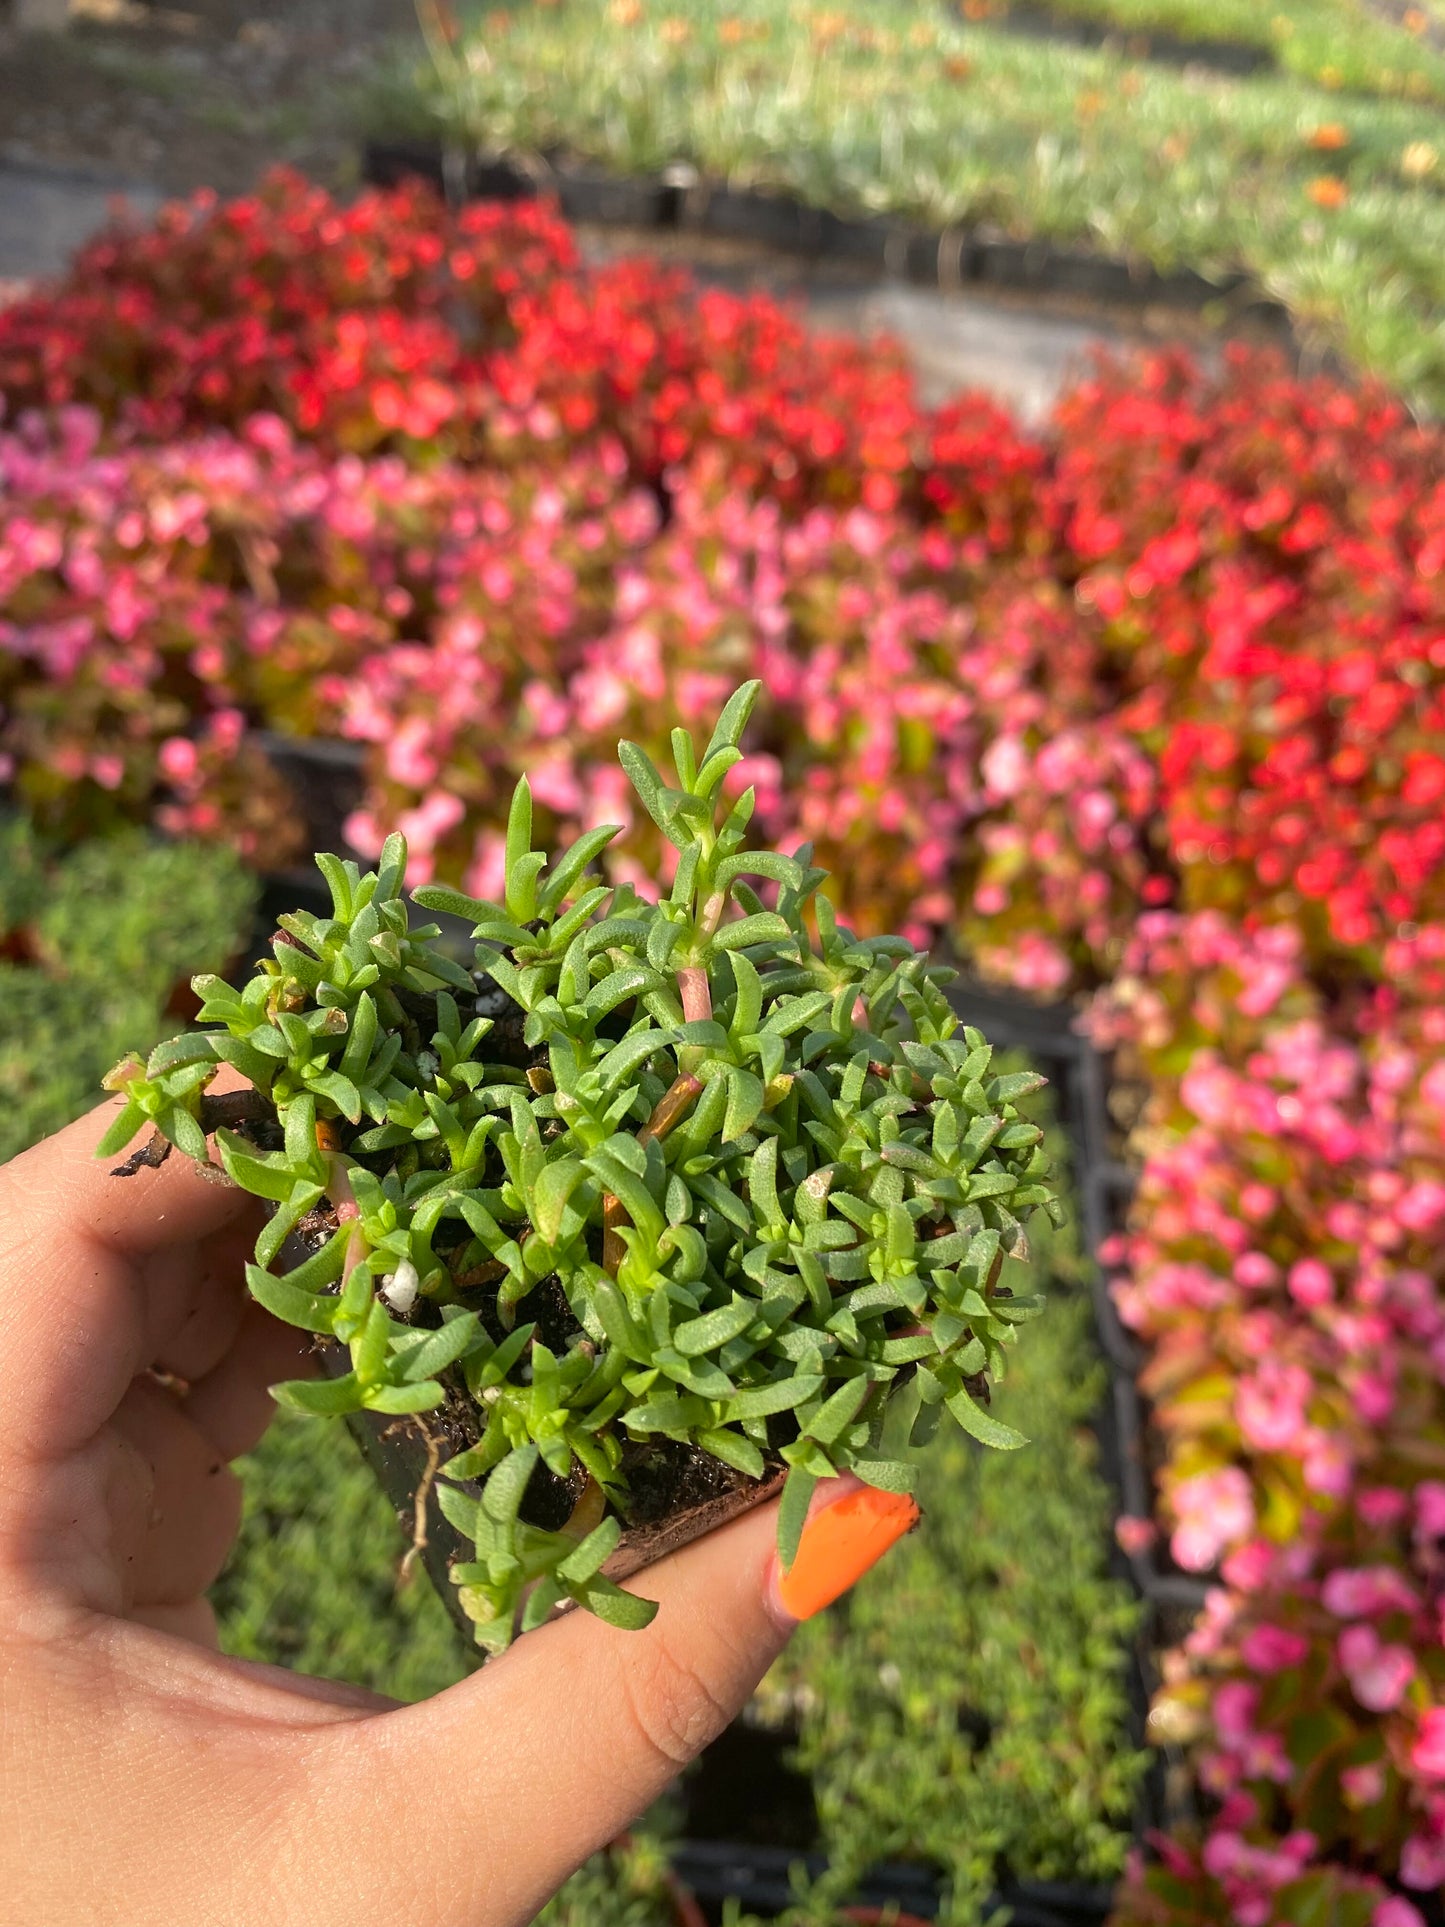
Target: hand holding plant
[
  {"x": 656, "y": 1207},
  {"x": 146, "y": 1776}
]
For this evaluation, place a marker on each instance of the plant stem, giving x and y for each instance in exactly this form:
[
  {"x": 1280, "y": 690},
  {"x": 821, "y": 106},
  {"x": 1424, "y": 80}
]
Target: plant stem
[
  {"x": 348, "y": 1211},
  {"x": 674, "y": 1104},
  {"x": 696, "y": 994}
]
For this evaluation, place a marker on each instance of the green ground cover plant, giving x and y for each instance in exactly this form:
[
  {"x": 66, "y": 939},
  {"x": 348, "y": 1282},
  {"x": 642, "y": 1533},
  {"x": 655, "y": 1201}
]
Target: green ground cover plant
[
  {"x": 94, "y": 941},
  {"x": 704, "y": 1195},
  {"x": 965, "y": 1708},
  {"x": 968, "y": 1709},
  {"x": 1339, "y": 45},
  {"x": 1335, "y": 205}
]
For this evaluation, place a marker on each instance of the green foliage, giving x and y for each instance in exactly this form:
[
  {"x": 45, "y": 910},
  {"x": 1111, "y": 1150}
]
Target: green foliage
[
  {"x": 771, "y": 1180},
  {"x": 885, "y": 108},
  {"x": 966, "y": 1705},
  {"x": 1337, "y": 44},
  {"x": 626, "y": 1886},
  {"x": 96, "y": 940}
]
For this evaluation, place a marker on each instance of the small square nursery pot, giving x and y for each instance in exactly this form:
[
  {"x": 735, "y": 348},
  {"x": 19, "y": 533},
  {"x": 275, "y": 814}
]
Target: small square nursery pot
[
  {"x": 678, "y": 1494},
  {"x": 657, "y": 1210}
]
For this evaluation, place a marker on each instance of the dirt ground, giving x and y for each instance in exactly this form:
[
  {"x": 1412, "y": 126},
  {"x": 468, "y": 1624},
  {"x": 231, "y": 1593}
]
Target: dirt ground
[{"x": 209, "y": 92}]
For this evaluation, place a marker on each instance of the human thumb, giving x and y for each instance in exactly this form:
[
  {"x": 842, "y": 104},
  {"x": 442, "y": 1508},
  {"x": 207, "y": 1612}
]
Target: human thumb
[{"x": 553, "y": 1749}]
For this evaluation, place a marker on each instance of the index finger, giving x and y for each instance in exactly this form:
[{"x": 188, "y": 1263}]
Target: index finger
[{"x": 88, "y": 1271}]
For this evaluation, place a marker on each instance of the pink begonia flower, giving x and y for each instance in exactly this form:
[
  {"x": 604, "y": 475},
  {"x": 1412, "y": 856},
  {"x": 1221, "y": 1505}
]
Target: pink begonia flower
[
  {"x": 1234, "y": 1708},
  {"x": 1248, "y": 1567},
  {"x": 1328, "y": 1467},
  {"x": 1423, "y": 1205},
  {"x": 1396, "y": 1911},
  {"x": 554, "y": 782},
  {"x": 1257, "y": 1202},
  {"x": 1362, "y": 1592},
  {"x": 1266, "y": 984},
  {"x": 1270, "y": 1406},
  {"x": 177, "y": 759},
  {"x": 1005, "y": 767},
  {"x": 1432, "y": 1085},
  {"x": 1378, "y": 1675},
  {"x": 1427, "y": 1755},
  {"x": 1213, "y": 1510},
  {"x": 363, "y": 834},
  {"x": 1430, "y": 1509},
  {"x": 1253, "y": 1270},
  {"x": 1135, "y": 1535},
  {"x": 1363, "y": 1786},
  {"x": 1374, "y": 1397},
  {"x": 1422, "y": 1862},
  {"x": 1382, "y": 1506},
  {"x": 487, "y": 875},
  {"x": 1272, "y": 1649}
]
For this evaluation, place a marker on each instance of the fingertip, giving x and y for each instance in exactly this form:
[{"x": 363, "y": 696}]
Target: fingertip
[{"x": 850, "y": 1527}]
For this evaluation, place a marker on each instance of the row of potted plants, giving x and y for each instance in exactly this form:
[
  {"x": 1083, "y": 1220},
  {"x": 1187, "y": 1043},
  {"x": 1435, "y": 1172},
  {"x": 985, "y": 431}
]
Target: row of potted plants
[
  {"x": 1185, "y": 653},
  {"x": 1234, "y": 587},
  {"x": 1328, "y": 42},
  {"x": 1330, "y": 204}
]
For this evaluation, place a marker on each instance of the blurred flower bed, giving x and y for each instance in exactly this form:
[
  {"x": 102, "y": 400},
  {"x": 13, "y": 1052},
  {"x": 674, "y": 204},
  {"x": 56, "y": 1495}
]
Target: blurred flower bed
[
  {"x": 1313, "y": 182},
  {"x": 1150, "y": 709}
]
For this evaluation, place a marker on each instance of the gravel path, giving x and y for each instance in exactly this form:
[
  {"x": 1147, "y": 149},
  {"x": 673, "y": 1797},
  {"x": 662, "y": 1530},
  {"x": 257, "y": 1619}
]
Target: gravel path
[{"x": 205, "y": 94}]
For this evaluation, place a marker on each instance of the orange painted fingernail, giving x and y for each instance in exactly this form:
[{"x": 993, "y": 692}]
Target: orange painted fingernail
[{"x": 840, "y": 1543}]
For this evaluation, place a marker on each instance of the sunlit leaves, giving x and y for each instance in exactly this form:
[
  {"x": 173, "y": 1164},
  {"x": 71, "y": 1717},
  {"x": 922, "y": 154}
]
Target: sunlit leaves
[{"x": 721, "y": 1172}]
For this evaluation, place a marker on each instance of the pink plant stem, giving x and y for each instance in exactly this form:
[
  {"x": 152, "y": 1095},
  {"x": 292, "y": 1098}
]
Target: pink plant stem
[{"x": 696, "y": 994}]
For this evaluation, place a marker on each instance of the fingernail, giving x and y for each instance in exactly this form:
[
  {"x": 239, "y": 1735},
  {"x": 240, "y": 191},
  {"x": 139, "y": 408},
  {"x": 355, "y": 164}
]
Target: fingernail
[{"x": 841, "y": 1541}]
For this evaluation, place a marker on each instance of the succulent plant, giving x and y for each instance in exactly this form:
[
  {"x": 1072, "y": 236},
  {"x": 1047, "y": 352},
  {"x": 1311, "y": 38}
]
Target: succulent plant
[{"x": 699, "y": 1186}]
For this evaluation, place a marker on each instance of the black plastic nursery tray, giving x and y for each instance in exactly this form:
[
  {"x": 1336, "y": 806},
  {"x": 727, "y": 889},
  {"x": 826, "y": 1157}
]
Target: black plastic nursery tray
[
  {"x": 1035, "y": 22},
  {"x": 749, "y": 1819},
  {"x": 951, "y": 258}
]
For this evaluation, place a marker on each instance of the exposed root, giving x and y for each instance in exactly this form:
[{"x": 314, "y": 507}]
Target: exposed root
[{"x": 423, "y": 1492}]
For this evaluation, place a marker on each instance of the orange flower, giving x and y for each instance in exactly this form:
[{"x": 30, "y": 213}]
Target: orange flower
[
  {"x": 731, "y": 32},
  {"x": 1090, "y": 104},
  {"x": 625, "y": 13},
  {"x": 1329, "y": 136},
  {"x": 1173, "y": 149},
  {"x": 674, "y": 32},
  {"x": 977, "y": 9},
  {"x": 957, "y": 67},
  {"x": 1328, "y": 190},
  {"x": 1415, "y": 21}
]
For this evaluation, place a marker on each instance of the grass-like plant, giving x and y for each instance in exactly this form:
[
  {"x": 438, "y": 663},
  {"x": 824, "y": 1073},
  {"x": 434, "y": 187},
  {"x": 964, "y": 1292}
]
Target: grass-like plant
[
  {"x": 688, "y": 1195},
  {"x": 1331, "y": 201}
]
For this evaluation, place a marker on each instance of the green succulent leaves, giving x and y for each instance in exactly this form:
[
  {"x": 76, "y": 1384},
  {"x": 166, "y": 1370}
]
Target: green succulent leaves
[{"x": 710, "y": 1175}]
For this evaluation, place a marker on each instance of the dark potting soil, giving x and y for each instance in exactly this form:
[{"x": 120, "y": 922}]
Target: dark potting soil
[{"x": 665, "y": 1477}]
